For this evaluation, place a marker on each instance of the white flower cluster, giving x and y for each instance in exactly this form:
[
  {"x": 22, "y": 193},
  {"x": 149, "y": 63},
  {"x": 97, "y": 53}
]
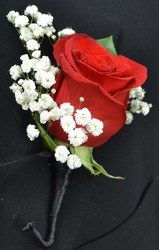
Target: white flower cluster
[
  {"x": 62, "y": 154},
  {"x": 36, "y": 74},
  {"x": 77, "y": 124},
  {"x": 69, "y": 118},
  {"x": 32, "y": 26},
  {"x": 65, "y": 32},
  {"x": 77, "y": 135},
  {"x": 30, "y": 77},
  {"x": 136, "y": 104},
  {"x": 32, "y": 132},
  {"x": 33, "y": 84}
]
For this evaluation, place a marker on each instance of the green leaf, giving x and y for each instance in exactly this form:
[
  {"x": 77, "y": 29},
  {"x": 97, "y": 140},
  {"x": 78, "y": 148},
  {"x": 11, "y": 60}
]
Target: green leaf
[
  {"x": 108, "y": 44},
  {"x": 103, "y": 171},
  {"x": 47, "y": 139},
  {"x": 86, "y": 156}
]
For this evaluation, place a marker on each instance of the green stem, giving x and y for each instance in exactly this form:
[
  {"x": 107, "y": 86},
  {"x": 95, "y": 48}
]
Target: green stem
[{"x": 46, "y": 137}]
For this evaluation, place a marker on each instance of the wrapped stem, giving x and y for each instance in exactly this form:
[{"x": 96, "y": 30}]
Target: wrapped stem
[{"x": 62, "y": 182}]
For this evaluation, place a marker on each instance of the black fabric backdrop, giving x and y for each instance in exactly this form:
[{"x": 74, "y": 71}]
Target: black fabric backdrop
[{"x": 97, "y": 213}]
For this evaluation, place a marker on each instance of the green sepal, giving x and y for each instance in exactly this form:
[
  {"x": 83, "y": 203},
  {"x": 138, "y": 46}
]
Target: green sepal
[
  {"x": 48, "y": 141},
  {"x": 84, "y": 153},
  {"x": 108, "y": 44}
]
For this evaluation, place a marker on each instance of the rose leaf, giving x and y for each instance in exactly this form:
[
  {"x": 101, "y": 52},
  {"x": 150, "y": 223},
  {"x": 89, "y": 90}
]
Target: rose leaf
[
  {"x": 103, "y": 171},
  {"x": 108, "y": 44}
]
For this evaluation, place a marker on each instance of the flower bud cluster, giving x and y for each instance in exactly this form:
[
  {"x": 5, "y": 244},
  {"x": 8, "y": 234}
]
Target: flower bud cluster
[
  {"x": 32, "y": 78},
  {"x": 32, "y": 132},
  {"x": 78, "y": 124},
  {"x": 32, "y": 25},
  {"x": 136, "y": 104}
]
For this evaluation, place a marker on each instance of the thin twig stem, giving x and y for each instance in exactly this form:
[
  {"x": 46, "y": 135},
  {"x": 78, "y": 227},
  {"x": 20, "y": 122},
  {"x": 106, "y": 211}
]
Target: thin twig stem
[{"x": 62, "y": 182}]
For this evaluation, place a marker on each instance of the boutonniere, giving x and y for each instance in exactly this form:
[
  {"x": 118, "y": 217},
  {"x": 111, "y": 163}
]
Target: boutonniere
[{"x": 79, "y": 97}]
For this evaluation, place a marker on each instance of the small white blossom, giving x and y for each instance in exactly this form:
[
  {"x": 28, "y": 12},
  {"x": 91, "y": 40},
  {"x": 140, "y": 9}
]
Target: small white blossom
[
  {"x": 53, "y": 37},
  {"x": 31, "y": 96},
  {"x": 29, "y": 86},
  {"x": 24, "y": 99},
  {"x": 150, "y": 105},
  {"x": 77, "y": 137},
  {"x": 132, "y": 93},
  {"x": 73, "y": 161},
  {"x": 129, "y": 117},
  {"x": 47, "y": 79},
  {"x": 46, "y": 101},
  {"x": 55, "y": 70},
  {"x": 32, "y": 132},
  {"x": 53, "y": 91},
  {"x": 33, "y": 26},
  {"x": 67, "y": 123},
  {"x": 46, "y": 63},
  {"x": 34, "y": 106},
  {"x": 82, "y": 116},
  {"x": 32, "y": 45},
  {"x": 25, "y": 34},
  {"x": 12, "y": 15},
  {"x": 140, "y": 93},
  {"x": 26, "y": 65},
  {"x": 38, "y": 75},
  {"x": 39, "y": 32},
  {"x": 36, "y": 54},
  {"x": 21, "y": 21},
  {"x": 145, "y": 108},
  {"x": 55, "y": 114},
  {"x": 31, "y": 10},
  {"x": 49, "y": 31},
  {"x": 25, "y": 106},
  {"x": 44, "y": 116},
  {"x": 24, "y": 57},
  {"x": 20, "y": 82},
  {"x": 95, "y": 127},
  {"x": 34, "y": 62},
  {"x": 43, "y": 64},
  {"x": 49, "y": 34},
  {"x": 44, "y": 20},
  {"x": 66, "y": 109},
  {"x": 81, "y": 99},
  {"x": 136, "y": 106},
  {"x": 61, "y": 154},
  {"x": 15, "y": 72},
  {"x": 66, "y": 32},
  {"x": 14, "y": 87},
  {"x": 19, "y": 97}
]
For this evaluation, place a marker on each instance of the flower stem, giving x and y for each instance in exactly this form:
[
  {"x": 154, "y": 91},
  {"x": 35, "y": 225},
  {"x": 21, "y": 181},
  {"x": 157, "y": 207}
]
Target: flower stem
[{"x": 62, "y": 182}]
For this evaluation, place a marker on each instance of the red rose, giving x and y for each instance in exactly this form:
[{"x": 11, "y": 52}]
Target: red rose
[{"x": 104, "y": 80}]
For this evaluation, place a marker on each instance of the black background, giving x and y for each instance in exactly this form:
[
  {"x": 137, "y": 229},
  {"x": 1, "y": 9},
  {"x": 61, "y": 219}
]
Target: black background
[{"x": 97, "y": 213}]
